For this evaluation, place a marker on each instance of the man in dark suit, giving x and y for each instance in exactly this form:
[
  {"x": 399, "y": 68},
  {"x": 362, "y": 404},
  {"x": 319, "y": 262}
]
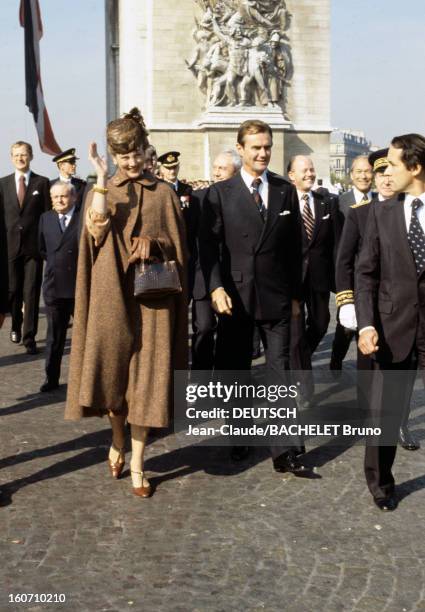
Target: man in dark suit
[
  {"x": 361, "y": 175},
  {"x": 58, "y": 239},
  {"x": 4, "y": 272},
  {"x": 204, "y": 318},
  {"x": 24, "y": 196},
  {"x": 67, "y": 166},
  {"x": 321, "y": 229},
  {"x": 251, "y": 257},
  {"x": 390, "y": 298},
  {"x": 349, "y": 249}
]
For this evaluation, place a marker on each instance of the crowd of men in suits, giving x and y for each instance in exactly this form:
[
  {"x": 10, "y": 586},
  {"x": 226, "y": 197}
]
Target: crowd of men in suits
[{"x": 265, "y": 255}]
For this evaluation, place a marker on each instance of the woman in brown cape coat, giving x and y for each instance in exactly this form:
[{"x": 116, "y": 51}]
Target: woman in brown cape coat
[{"x": 124, "y": 349}]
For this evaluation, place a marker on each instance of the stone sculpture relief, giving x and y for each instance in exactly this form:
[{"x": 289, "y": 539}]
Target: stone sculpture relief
[{"x": 242, "y": 55}]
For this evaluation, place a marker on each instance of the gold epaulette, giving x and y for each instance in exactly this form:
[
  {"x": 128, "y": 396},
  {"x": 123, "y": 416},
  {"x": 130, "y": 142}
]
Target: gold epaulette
[
  {"x": 361, "y": 204},
  {"x": 344, "y": 297}
]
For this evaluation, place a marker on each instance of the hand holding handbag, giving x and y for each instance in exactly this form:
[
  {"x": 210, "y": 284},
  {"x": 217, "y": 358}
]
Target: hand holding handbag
[{"x": 156, "y": 278}]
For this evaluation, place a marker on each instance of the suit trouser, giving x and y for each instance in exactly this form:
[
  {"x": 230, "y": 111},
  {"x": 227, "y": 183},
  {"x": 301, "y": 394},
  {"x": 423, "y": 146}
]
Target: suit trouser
[
  {"x": 234, "y": 352},
  {"x": 306, "y": 333},
  {"x": 58, "y": 316},
  {"x": 390, "y": 396},
  {"x": 25, "y": 275},
  {"x": 204, "y": 325}
]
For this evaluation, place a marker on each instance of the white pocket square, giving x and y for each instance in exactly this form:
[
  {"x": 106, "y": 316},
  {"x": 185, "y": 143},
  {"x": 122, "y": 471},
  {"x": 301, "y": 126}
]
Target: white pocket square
[
  {"x": 35, "y": 192},
  {"x": 326, "y": 217},
  {"x": 285, "y": 212}
]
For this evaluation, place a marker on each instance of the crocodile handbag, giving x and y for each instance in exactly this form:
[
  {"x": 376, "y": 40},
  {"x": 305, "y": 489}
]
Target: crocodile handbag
[{"x": 156, "y": 278}]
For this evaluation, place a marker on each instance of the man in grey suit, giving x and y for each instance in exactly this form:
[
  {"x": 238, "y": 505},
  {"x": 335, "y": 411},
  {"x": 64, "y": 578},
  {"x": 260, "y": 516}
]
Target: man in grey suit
[{"x": 361, "y": 175}]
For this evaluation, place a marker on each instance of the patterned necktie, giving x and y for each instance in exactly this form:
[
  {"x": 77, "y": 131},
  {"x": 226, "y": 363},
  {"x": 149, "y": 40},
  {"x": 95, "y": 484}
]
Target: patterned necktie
[
  {"x": 307, "y": 216},
  {"x": 21, "y": 190},
  {"x": 62, "y": 222},
  {"x": 416, "y": 237},
  {"x": 257, "y": 198}
]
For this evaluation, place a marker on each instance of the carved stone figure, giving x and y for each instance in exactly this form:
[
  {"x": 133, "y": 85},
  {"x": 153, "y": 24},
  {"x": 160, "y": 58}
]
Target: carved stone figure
[{"x": 242, "y": 54}]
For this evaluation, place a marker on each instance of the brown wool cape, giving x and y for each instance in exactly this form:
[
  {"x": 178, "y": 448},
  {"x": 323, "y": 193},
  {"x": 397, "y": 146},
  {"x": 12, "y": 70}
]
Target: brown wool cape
[{"x": 124, "y": 349}]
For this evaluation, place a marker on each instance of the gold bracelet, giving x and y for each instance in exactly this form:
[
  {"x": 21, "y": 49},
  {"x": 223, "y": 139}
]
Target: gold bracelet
[{"x": 101, "y": 190}]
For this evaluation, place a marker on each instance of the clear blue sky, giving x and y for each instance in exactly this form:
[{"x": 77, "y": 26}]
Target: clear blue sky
[{"x": 377, "y": 51}]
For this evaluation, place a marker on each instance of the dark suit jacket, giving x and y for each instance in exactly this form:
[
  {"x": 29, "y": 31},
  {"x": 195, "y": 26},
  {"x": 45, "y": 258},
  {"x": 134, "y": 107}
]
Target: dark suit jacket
[
  {"x": 4, "y": 273},
  {"x": 197, "y": 287},
  {"x": 351, "y": 244},
  {"x": 22, "y": 223},
  {"x": 388, "y": 294},
  {"x": 319, "y": 254},
  {"x": 80, "y": 187},
  {"x": 60, "y": 251},
  {"x": 258, "y": 264}
]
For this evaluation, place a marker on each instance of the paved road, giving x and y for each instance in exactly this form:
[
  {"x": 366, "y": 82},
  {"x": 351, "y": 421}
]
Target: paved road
[{"x": 214, "y": 537}]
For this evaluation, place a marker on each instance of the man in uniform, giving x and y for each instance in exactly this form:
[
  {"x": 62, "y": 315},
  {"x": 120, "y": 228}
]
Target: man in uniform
[
  {"x": 169, "y": 172},
  {"x": 390, "y": 290},
  {"x": 67, "y": 166},
  {"x": 58, "y": 241},
  {"x": 321, "y": 229},
  {"x": 24, "y": 196},
  {"x": 361, "y": 175}
]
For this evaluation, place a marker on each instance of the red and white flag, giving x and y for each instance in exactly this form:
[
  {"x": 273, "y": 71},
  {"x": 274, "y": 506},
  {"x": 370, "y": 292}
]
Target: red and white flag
[{"x": 30, "y": 19}]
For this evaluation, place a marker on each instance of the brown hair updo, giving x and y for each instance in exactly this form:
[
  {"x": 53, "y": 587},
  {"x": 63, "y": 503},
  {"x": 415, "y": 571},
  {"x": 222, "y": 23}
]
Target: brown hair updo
[{"x": 127, "y": 133}]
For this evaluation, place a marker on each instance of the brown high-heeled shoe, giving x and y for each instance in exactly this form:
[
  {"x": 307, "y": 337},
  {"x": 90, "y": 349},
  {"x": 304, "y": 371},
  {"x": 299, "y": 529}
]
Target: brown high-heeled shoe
[
  {"x": 116, "y": 467},
  {"x": 143, "y": 491}
]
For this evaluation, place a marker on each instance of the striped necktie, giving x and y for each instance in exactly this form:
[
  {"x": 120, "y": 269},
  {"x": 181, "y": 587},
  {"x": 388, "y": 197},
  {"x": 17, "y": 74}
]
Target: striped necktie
[
  {"x": 257, "y": 198},
  {"x": 307, "y": 216}
]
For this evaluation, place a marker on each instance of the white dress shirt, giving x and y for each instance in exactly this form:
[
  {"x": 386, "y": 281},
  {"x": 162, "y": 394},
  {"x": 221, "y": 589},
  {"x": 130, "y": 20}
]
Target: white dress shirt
[
  {"x": 359, "y": 195},
  {"x": 64, "y": 179},
  {"x": 263, "y": 190},
  {"x": 310, "y": 201},
  {"x": 17, "y": 177}
]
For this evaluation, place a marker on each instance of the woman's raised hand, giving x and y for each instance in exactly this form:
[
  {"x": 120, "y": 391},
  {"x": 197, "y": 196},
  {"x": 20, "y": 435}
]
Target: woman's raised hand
[{"x": 99, "y": 163}]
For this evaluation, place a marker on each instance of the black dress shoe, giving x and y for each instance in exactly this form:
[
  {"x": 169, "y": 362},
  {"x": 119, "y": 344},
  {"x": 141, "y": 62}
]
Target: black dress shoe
[
  {"x": 15, "y": 337},
  {"x": 406, "y": 440},
  {"x": 49, "y": 385},
  {"x": 239, "y": 453},
  {"x": 289, "y": 462},
  {"x": 31, "y": 348},
  {"x": 386, "y": 504}
]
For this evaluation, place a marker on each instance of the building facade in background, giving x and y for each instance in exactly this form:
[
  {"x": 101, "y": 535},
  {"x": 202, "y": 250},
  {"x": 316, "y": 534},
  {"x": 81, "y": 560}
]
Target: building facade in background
[
  {"x": 200, "y": 68},
  {"x": 345, "y": 146}
]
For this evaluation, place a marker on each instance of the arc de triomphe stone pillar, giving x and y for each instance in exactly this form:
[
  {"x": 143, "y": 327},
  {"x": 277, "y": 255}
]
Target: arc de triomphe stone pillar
[{"x": 198, "y": 68}]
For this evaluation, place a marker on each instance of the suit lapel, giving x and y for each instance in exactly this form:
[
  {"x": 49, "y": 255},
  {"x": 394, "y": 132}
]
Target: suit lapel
[
  {"x": 30, "y": 188},
  {"x": 244, "y": 201},
  {"x": 319, "y": 213},
  {"x": 11, "y": 188},
  {"x": 55, "y": 229},
  {"x": 274, "y": 207},
  {"x": 398, "y": 224}
]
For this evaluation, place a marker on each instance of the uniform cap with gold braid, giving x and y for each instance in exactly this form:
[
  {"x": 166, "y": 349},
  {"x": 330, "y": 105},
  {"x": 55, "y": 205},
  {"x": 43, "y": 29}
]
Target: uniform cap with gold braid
[
  {"x": 170, "y": 159},
  {"x": 344, "y": 297},
  {"x": 378, "y": 160},
  {"x": 68, "y": 155}
]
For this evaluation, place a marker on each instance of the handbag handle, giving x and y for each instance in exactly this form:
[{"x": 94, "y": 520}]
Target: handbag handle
[{"x": 164, "y": 256}]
